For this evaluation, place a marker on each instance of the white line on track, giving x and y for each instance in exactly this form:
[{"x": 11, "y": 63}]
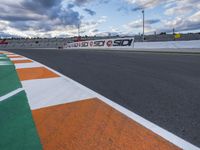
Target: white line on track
[
  {"x": 22, "y": 58},
  {"x": 11, "y": 94},
  {"x": 28, "y": 65}
]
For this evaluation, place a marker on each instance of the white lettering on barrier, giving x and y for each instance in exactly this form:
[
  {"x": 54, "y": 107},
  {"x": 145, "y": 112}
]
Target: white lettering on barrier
[{"x": 109, "y": 43}]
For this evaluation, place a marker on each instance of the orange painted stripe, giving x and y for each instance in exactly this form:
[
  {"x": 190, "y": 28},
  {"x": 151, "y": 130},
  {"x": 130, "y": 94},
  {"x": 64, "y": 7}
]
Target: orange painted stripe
[
  {"x": 22, "y": 61},
  {"x": 92, "y": 124},
  {"x": 15, "y": 56},
  {"x": 35, "y": 73}
]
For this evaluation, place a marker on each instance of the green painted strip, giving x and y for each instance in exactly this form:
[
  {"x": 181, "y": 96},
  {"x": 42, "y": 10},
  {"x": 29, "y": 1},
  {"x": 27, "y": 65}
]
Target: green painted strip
[
  {"x": 17, "y": 128},
  {"x": 9, "y": 80},
  {"x": 5, "y": 63},
  {"x": 3, "y": 57}
]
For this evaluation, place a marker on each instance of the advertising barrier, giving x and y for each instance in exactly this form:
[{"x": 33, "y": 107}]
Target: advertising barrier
[
  {"x": 109, "y": 43},
  {"x": 3, "y": 42}
]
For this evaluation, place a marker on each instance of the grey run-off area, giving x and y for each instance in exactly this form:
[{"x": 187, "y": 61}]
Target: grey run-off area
[{"x": 161, "y": 87}]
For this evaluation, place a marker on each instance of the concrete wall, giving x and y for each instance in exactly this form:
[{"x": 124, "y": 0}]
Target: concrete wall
[
  {"x": 55, "y": 43},
  {"x": 168, "y": 44}
]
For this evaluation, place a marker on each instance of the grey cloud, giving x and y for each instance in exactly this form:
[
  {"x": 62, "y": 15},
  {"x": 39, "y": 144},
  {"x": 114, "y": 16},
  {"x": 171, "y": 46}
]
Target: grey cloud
[
  {"x": 143, "y": 6},
  {"x": 127, "y": 9},
  {"x": 90, "y": 12},
  {"x": 81, "y": 2},
  {"x": 21, "y": 25},
  {"x": 104, "y": 1},
  {"x": 137, "y": 8},
  {"x": 39, "y": 15},
  {"x": 43, "y": 15},
  {"x": 123, "y": 8},
  {"x": 40, "y": 5},
  {"x": 152, "y": 21},
  {"x": 95, "y": 30},
  {"x": 18, "y": 18},
  {"x": 29, "y": 25},
  {"x": 7, "y": 35},
  {"x": 148, "y": 23},
  {"x": 182, "y": 23},
  {"x": 53, "y": 10},
  {"x": 48, "y": 3},
  {"x": 69, "y": 17},
  {"x": 69, "y": 6},
  {"x": 191, "y": 26},
  {"x": 184, "y": 26},
  {"x": 17, "y": 13}
]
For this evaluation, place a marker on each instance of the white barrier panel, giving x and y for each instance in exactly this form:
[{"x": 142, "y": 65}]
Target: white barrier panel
[
  {"x": 168, "y": 44},
  {"x": 109, "y": 43}
]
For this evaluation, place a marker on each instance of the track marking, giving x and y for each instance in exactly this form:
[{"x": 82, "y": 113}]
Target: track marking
[
  {"x": 15, "y": 56},
  {"x": 38, "y": 92},
  {"x": 20, "y": 58},
  {"x": 91, "y": 123},
  {"x": 35, "y": 73},
  {"x": 11, "y": 94},
  {"x": 28, "y": 65},
  {"x": 22, "y": 61}
]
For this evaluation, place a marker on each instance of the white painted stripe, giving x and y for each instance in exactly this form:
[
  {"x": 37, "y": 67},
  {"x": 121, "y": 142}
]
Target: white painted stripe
[
  {"x": 151, "y": 126},
  {"x": 53, "y": 91},
  {"x": 13, "y": 55},
  {"x": 22, "y": 58},
  {"x": 11, "y": 94},
  {"x": 8, "y": 53},
  {"x": 28, "y": 65}
]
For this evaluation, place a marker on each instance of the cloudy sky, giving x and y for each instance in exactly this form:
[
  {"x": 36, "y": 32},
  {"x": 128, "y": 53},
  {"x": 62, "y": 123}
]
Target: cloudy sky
[{"x": 58, "y": 18}]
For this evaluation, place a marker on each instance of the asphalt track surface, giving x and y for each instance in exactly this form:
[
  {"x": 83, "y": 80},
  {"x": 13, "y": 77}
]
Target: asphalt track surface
[{"x": 163, "y": 88}]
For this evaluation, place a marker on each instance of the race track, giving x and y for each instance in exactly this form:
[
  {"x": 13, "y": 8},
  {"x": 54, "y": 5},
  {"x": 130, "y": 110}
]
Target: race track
[{"x": 163, "y": 88}]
